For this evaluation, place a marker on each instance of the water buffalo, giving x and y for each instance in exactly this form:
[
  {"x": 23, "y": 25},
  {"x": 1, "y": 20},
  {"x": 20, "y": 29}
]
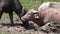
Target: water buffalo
[
  {"x": 8, "y": 6},
  {"x": 42, "y": 17}
]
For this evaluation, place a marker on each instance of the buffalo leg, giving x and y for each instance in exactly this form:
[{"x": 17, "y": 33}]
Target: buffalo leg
[
  {"x": 11, "y": 17},
  {"x": 1, "y": 14}
]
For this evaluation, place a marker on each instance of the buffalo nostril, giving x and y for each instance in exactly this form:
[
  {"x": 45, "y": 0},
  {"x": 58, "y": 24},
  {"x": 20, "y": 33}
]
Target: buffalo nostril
[{"x": 49, "y": 25}]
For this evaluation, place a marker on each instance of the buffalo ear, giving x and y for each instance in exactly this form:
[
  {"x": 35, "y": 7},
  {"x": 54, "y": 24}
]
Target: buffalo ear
[{"x": 36, "y": 16}]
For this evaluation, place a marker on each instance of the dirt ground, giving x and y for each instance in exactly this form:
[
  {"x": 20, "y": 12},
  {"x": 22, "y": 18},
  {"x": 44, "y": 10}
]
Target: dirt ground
[{"x": 18, "y": 28}]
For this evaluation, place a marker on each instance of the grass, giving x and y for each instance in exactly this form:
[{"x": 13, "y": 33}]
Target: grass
[{"x": 29, "y": 3}]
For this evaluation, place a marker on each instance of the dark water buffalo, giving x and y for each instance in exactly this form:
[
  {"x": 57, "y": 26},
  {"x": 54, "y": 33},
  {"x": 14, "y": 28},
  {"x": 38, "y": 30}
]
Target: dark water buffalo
[
  {"x": 42, "y": 17},
  {"x": 8, "y": 6}
]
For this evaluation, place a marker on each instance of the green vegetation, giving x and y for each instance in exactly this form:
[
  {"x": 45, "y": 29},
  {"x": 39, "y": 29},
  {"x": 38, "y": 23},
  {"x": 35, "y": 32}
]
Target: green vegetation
[{"x": 28, "y": 4}]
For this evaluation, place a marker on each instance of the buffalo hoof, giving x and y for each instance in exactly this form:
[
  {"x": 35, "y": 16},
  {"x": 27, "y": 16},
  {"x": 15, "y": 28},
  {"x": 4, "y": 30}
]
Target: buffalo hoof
[{"x": 12, "y": 24}]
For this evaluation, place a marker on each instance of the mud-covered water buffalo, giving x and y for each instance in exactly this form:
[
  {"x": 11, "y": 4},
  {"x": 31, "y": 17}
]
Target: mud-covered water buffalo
[
  {"x": 42, "y": 17},
  {"x": 8, "y": 6}
]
